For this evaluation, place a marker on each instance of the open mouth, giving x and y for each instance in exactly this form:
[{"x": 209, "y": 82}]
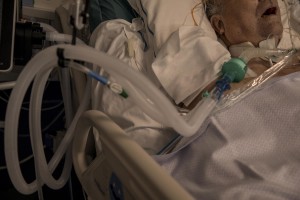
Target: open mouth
[{"x": 270, "y": 11}]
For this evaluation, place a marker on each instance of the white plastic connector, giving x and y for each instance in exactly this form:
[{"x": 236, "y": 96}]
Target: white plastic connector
[
  {"x": 130, "y": 47},
  {"x": 76, "y": 8},
  {"x": 137, "y": 24}
]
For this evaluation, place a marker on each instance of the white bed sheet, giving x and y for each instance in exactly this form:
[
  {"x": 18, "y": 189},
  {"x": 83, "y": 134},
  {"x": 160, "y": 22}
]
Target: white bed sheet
[
  {"x": 248, "y": 151},
  {"x": 118, "y": 36}
]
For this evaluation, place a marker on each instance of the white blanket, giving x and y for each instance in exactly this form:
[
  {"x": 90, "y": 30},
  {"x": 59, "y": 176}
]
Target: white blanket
[{"x": 248, "y": 151}]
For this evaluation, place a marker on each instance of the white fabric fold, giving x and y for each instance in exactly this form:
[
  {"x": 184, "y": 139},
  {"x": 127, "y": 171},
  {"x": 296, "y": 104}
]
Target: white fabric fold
[{"x": 188, "y": 62}]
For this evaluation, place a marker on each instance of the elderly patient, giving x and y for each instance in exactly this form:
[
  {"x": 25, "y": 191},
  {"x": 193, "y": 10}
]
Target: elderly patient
[
  {"x": 247, "y": 23},
  {"x": 251, "y": 149}
]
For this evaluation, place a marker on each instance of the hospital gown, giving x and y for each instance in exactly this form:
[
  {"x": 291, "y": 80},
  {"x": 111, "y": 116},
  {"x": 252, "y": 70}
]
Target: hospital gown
[{"x": 248, "y": 151}]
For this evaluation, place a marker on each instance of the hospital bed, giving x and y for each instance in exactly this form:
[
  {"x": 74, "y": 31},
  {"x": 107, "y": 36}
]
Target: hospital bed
[
  {"x": 117, "y": 167},
  {"x": 123, "y": 170}
]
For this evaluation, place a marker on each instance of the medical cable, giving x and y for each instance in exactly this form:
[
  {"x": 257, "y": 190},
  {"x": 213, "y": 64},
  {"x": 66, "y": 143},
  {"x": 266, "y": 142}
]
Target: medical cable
[
  {"x": 7, "y": 85},
  {"x": 44, "y": 109},
  {"x": 21, "y": 161},
  {"x": 193, "y": 11},
  {"x": 60, "y": 114}
]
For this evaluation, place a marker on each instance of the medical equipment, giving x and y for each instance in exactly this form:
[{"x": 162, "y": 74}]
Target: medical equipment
[
  {"x": 28, "y": 38},
  {"x": 152, "y": 101},
  {"x": 235, "y": 69},
  {"x": 78, "y": 12},
  {"x": 124, "y": 170},
  {"x": 7, "y": 30},
  {"x": 141, "y": 90},
  {"x": 238, "y": 94},
  {"x": 247, "y": 151}
]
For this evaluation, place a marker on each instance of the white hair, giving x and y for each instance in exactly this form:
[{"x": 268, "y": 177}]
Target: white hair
[{"x": 213, "y": 7}]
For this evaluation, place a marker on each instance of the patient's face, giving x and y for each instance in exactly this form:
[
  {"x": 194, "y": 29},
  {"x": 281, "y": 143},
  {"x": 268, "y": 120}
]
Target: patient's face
[{"x": 250, "y": 20}]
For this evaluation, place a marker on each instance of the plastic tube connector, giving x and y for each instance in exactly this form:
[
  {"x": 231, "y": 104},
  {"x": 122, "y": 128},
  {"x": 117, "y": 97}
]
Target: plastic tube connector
[
  {"x": 235, "y": 69},
  {"x": 222, "y": 85},
  {"x": 232, "y": 71}
]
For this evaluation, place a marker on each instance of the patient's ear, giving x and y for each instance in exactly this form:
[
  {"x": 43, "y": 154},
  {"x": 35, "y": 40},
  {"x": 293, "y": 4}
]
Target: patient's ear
[{"x": 217, "y": 24}]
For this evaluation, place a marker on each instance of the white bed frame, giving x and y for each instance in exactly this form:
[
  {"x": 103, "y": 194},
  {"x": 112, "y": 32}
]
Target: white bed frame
[{"x": 123, "y": 170}]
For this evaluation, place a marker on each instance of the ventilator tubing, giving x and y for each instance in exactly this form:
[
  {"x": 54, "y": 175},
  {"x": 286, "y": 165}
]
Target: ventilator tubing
[
  {"x": 60, "y": 37},
  {"x": 250, "y": 53},
  {"x": 39, "y": 66},
  {"x": 240, "y": 93},
  {"x": 141, "y": 90}
]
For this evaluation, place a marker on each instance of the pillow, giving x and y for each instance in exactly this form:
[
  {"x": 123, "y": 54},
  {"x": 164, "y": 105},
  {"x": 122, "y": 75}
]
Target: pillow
[
  {"x": 187, "y": 54},
  {"x": 289, "y": 38},
  {"x": 102, "y": 10},
  {"x": 163, "y": 17}
]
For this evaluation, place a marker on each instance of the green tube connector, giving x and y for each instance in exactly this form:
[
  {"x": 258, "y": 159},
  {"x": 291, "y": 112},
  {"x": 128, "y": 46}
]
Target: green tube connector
[{"x": 235, "y": 69}]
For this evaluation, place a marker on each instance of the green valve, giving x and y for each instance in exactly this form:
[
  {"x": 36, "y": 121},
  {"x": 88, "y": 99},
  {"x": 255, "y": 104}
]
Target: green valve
[
  {"x": 124, "y": 94},
  {"x": 235, "y": 68},
  {"x": 205, "y": 94}
]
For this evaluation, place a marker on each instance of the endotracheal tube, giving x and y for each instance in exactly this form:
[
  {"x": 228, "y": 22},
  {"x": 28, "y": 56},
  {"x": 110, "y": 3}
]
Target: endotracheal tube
[{"x": 235, "y": 69}]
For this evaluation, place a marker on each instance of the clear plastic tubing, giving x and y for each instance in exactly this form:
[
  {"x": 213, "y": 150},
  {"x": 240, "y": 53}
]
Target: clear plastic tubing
[
  {"x": 44, "y": 60},
  {"x": 146, "y": 95},
  {"x": 36, "y": 135},
  {"x": 59, "y": 37},
  {"x": 250, "y": 53},
  {"x": 240, "y": 93},
  {"x": 141, "y": 90}
]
